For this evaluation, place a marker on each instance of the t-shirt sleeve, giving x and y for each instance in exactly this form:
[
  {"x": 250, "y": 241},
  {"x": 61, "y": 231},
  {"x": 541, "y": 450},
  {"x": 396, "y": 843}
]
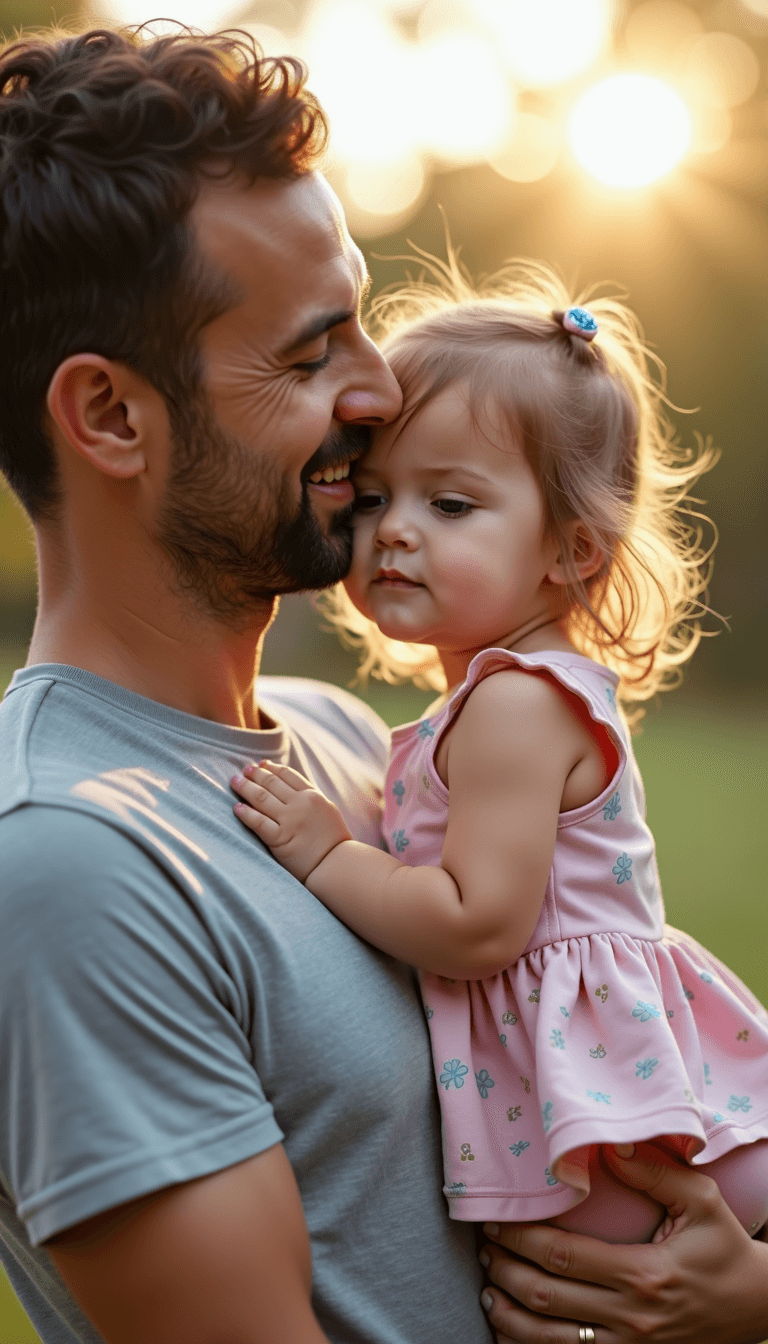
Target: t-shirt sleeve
[{"x": 124, "y": 1066}]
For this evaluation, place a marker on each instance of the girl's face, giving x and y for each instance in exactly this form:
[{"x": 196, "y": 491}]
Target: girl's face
[{"x": 449, "y": 539}]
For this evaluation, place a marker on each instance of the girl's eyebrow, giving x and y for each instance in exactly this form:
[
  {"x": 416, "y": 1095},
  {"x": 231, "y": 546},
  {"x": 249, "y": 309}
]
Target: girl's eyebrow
[{"x": 454, "y": 469}]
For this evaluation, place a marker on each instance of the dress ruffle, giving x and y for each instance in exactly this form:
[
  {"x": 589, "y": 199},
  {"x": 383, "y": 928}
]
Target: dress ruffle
[{"x": 600, "y": 1039}]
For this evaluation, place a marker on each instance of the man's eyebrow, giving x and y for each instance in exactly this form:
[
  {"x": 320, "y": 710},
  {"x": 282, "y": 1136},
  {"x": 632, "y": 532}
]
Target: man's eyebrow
[
  {"x": 325, "y": 322},
  {"x": 317, "y": 327}
]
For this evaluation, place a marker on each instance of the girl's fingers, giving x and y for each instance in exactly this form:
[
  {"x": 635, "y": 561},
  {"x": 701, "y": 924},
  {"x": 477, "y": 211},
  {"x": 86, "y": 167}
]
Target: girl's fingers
[
  {"x": 262, "y": 799},
  {"x": 279, "y": 780},
  {"x": 267, "y": 830}
]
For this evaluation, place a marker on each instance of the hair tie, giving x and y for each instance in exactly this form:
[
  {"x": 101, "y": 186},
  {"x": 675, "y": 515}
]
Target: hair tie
[{"x": 580, "y": 322}]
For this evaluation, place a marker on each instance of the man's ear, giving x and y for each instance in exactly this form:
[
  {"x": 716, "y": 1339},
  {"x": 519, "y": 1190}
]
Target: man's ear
[
  {"x": 581, "y": 550},
  {"x": 104, "y": 411}
]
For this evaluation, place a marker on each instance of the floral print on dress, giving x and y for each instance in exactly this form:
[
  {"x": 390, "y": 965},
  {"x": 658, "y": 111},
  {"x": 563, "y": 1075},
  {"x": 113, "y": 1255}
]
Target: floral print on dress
[
  {"x": 599, "y": 1052},
  {"x": 534, "y": 996},
  {"x": 398, "y": 789},
  {"x": 644, "y": 1067},
  {"x": 428, "y": 1012},
  {"x": 547, "y": 1116},
  {"x": 603, "y": 1097},
  {"x": 466, "y": 1153},
  {"x": 425, "y": 729},
  {"x": 401, "y": 840},
  {"x": 645, "y": 1011},
  {"x": 706, "y": 978},
  {"x": 519, "y": 1148},
  {"x": 484, "y": 1083},
  {"x": 556, "y": 1039},
  {"x": 739, "y": 1103},
  {"x": 457, "y": 1188},
  {"x": 453, "y": 1072},
  {"x": 508, "y": 1019},
  {"x": 612, "y": 808},
  {"x": 514, "y": 1112},
  {"x": 742, "y": 1035},
  {"x": 602, "y": 992},
  {"x": 565, "y": 1012},
  {"x": 622, "y": 869},
  {"x": 551, "y": 1180},
  {"x": 610, "y": 696}
]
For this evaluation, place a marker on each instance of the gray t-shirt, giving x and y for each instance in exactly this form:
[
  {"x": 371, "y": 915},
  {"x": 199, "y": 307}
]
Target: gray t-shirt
[{"x": 172, "y": 1002}]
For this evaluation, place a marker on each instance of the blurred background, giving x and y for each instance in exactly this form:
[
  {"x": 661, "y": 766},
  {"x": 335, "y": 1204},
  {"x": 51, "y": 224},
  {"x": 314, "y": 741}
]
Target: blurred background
[{"x": 622, "y": 142}]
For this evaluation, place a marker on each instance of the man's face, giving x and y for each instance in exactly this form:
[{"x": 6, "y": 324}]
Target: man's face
[{"x": 291, "y": 383}]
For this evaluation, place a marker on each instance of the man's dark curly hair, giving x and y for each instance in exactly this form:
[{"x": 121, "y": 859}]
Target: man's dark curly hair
[{"x": 104, "y": 139}]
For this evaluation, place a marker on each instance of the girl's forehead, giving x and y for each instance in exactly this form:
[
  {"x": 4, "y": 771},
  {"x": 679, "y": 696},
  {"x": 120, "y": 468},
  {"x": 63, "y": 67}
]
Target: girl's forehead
[{"x": 444, "y": 428}]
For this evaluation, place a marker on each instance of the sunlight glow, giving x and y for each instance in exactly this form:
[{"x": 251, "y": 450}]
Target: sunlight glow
[
  {"x": 721, "y": 70},
  {"x": 463, "y": 104},
  {"x": 360, "y": 71},
  {"x": 546, "y": 42},
  {"x": 630, "y": 130},
  {"x": 207, "y": 15},
  {"x": 532, "y": 151},
  {"x": 659, "y": 33}
]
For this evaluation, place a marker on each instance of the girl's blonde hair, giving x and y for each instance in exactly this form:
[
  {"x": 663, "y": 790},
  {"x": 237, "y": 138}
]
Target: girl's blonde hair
[{"x": 591, "y": 421}]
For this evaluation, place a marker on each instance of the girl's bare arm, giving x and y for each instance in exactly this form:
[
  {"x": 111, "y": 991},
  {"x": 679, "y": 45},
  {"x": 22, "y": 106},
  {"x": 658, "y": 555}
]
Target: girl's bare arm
[{"x": 510, "y": 753}]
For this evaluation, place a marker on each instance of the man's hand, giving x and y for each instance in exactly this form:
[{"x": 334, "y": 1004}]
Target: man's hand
[
  {"x": 224, "y": 1258},
  {"x": 290, "y": 815},
  {"x": 705, "y": 1283}
]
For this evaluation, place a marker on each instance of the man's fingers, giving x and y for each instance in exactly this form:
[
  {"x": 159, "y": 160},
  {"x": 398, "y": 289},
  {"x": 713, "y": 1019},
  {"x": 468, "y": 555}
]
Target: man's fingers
[
  {"x": 544, "y": 1295},
  {"x": 680, "y": 1188},
  {"x": 514, "y": 1325},
  {"x": 566, "y": 1254}
]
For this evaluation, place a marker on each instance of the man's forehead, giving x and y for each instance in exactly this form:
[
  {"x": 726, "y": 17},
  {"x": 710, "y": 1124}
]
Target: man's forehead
[{"x": 273, "y": 224}]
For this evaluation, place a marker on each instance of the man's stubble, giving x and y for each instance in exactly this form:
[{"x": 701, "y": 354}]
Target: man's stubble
[{"x": 234, "y": 533}]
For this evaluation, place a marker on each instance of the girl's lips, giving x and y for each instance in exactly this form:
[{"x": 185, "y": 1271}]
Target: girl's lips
[{"x": 391, "y": 578}]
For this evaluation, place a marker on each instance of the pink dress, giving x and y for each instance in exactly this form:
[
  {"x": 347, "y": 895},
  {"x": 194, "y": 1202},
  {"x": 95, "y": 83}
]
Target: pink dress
[{"x": 610, "y": 1027}]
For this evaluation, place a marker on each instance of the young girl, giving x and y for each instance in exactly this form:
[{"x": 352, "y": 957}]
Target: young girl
[{"x": 521, "y": 519}]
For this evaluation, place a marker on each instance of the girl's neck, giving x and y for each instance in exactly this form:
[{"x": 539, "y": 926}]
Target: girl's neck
[{"x": 534, "y": 637}]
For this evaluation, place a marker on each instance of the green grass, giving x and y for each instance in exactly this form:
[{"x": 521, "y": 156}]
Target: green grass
[{"x": 704, "y": 768}]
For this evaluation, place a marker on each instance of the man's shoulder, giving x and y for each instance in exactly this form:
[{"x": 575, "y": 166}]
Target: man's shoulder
[{"x": 308, "y": 706}]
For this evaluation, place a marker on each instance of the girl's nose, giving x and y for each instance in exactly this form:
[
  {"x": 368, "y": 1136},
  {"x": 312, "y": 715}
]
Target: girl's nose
[{"x": 396, "y": 531}]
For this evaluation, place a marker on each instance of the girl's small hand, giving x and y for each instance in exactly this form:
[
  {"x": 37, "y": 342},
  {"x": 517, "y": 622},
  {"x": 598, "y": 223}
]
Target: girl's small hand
[{"x": 290, "y": 815}]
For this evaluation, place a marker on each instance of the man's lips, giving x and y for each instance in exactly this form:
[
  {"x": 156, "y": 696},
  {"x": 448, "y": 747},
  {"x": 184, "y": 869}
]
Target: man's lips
[{"x": 392, "y": 578}]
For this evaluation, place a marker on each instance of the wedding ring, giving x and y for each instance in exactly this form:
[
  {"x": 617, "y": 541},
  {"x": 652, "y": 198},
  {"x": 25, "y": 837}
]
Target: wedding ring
[{"x": 586, "y": 1334}]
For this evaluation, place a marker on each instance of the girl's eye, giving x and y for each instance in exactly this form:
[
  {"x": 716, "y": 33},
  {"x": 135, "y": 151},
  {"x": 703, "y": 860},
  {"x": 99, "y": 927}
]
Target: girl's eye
[
  {"x": 368, "y": 500},
  {"x": 452, "y": 508},
  {"x": 314, "y": 366}
]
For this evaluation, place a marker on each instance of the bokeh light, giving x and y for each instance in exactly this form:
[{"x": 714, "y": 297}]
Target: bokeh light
[
  {"x": 721, "y": 70},
  {"x": 385, "y": 188},
  {"x": 546, "y": 42},
  {"x": 658, "y": 33},
  {"x": 630, "y": 129},
  {"x": 531, "y": 152},
  {"x": 361, "y": 73},
  {"x": 461, "y": 104}
]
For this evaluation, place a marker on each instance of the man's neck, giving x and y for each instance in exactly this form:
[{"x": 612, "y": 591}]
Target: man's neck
[{"x": 170, "y": 653}]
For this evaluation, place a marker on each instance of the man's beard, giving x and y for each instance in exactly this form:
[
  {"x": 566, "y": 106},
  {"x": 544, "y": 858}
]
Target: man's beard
[{"x": 235, "y": 538}]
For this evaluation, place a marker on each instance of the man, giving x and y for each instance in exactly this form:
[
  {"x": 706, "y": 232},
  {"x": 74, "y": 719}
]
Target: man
[
  {"x": 185, "y": 378},
  {"x": 203, "y": 1073}
]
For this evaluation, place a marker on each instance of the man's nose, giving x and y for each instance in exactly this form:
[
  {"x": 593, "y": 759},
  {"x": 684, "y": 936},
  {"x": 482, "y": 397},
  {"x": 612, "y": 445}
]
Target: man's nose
[{"x": 373, "y": 396}]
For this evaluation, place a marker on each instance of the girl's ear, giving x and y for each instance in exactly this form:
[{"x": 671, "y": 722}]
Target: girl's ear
[{"x": 580, "y": 553}]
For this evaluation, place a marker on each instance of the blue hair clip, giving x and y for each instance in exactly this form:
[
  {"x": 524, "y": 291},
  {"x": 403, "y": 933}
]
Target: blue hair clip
[{"x": 580, "y": 322}]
